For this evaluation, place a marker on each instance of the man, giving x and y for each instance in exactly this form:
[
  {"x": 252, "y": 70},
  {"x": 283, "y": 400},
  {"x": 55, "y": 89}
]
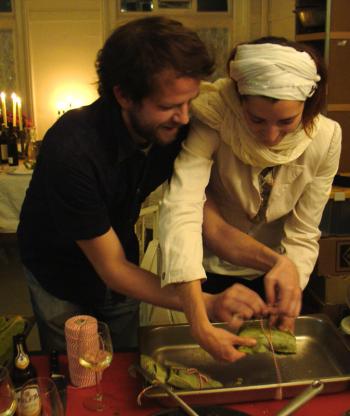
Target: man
[{"x": 96, "y": 166}]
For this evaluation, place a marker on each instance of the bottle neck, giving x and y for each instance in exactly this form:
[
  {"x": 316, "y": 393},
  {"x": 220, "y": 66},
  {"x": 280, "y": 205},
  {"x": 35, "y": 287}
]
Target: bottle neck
[{"x": 22, "y": 358}]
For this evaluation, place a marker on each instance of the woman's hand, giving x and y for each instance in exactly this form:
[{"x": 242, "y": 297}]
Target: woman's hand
[
  {"x": 237, "y": 301},
  {"x": 283, "y": 293}
]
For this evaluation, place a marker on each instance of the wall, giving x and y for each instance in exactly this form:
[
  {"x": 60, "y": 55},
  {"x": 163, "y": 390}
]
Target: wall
[
  {"x": 281, "y": 18},
  {"x": 59, "y": 39},
  {"x": 62, "y": 39}
]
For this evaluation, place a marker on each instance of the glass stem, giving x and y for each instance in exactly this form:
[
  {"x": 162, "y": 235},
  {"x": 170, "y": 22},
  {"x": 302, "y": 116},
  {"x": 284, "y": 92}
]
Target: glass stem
[{"x": 98, "y": 376}]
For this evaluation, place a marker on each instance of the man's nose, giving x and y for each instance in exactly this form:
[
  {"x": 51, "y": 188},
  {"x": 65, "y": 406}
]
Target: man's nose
[{"x": 182, "y": 115}]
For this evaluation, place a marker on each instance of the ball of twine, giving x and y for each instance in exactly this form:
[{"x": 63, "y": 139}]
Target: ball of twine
[{"x": 80, "y": 330}]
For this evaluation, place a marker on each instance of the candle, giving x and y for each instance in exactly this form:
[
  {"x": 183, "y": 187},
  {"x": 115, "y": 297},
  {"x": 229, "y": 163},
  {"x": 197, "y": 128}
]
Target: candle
[
  {"x": 20, "y": 121},
  {"x": 14, "y": 104},
  {"x": 3, "y": 108}
]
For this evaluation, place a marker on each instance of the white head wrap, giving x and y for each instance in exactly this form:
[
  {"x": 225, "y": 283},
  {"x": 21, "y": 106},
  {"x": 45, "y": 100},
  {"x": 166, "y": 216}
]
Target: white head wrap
[{"x": 275, "y": 71}]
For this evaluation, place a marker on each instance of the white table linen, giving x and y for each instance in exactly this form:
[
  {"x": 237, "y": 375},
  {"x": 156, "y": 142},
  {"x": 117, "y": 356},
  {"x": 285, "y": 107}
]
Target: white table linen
[{"x": 13, "y": 186}]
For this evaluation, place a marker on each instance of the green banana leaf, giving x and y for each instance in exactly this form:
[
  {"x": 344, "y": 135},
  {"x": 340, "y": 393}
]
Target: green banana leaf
[{"x": 283, "y": 342}]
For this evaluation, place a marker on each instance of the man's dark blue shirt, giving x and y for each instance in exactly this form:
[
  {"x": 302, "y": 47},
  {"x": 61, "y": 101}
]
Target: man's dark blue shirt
[{"x": 89, "y": 176}]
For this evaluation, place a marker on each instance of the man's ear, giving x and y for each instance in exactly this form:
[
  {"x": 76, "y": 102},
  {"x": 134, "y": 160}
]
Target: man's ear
[{"x": 123, "y": 101}]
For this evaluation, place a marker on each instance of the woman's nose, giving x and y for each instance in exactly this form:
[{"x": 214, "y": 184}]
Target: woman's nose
[{"x": 271, "y": 134}]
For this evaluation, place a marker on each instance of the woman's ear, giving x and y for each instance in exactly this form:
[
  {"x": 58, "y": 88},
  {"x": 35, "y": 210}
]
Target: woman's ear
[{"x": 124, "y": 102}]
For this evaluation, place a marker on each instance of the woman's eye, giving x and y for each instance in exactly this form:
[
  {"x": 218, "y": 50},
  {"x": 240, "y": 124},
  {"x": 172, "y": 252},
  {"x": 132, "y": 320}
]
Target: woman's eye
[
  {"x": 256, "y": 120},
  {"x": 286, "y": 122}
]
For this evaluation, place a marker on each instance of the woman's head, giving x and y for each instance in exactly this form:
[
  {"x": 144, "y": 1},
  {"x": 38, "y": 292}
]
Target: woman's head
[{"x": 277, "y": 70}]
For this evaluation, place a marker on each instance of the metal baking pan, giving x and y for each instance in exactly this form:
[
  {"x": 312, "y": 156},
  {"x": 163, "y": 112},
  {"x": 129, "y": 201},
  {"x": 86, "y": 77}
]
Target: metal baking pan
[{"x": 322, "y": 353}]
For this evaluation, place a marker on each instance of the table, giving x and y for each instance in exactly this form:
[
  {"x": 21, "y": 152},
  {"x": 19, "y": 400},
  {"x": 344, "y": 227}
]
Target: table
[
  {"x": 117, "y": 381},
  {"x": 12, "y": 191}
]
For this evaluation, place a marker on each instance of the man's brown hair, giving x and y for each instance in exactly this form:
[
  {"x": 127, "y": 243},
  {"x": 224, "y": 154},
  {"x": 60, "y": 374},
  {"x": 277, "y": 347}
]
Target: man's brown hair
[{"x": 139, "y": 50}]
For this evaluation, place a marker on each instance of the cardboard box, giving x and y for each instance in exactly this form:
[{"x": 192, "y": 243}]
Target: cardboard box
[
  {"x": 330, "y": 289},
  {"x": 330, "y": 281},
  {"x": 334, "y": 312},
  {"x": 334, "y": 256}
]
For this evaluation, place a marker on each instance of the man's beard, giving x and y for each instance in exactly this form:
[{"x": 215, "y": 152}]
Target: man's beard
[{"x": 147, "y": 133}]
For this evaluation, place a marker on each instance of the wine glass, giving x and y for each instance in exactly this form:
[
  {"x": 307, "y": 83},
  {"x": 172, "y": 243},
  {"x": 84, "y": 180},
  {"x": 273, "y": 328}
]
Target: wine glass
[
  {"x": 8, "y": 403},
  {"x": 95, "y": 351},
  {"x": 39, "y": 396}
]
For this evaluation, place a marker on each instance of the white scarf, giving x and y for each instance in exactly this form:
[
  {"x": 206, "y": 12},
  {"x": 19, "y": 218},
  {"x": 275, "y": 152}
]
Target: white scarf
[{"x": 218, "y": 106}]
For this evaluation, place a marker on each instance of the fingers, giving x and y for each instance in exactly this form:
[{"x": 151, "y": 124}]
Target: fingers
[
  {"x": 236, "y": 321},
  {"x": 290, "y": 301},
  {"x": 246, "y": 341},
  {"x": 283, "y": 291},
  {"x": 221, "y": 343},
  {"x": 286, "y": 324},
  {"x": 230, "y": 354},
  {"x": 239, "y": 299},
  {"x": 270, "y": 285}
]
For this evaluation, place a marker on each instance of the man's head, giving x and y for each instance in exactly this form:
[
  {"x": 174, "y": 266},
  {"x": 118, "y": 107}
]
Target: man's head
[
  {"x": 138, "y": 51},
  {"x": 158, "y": 117},
  {"x": 153, "y": 67}
]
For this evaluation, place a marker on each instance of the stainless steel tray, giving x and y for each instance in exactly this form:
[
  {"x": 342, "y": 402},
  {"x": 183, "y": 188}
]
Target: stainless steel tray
[{"x": 322, "y": 353}]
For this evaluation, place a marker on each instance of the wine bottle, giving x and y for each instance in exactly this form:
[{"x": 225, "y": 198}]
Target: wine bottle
[
  {"x": 30, "y": 403},
  {"x": 12, "y": 149},
  {"x": 3, "y": 145},
  {"x": 21, "y": 143},
  {"x": 23, "y": 369}
]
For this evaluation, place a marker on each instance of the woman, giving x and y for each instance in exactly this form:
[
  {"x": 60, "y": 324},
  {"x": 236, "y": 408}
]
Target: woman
[{"x": 264, "y": 156}]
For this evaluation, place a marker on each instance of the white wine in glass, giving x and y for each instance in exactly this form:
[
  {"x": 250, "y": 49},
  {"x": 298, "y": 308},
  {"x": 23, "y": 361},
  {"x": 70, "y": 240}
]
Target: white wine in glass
[
  {"x": 96, "y": 353},
  {"x": 8, "y": 403}
]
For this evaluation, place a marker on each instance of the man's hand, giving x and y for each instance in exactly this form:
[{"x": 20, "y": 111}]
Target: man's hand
[
  {"x": 283, "y": 293},
  {"x": 220, "y": 343},
  {"x": 199, "y": 307},
  {"x": 233, "y": 306}
]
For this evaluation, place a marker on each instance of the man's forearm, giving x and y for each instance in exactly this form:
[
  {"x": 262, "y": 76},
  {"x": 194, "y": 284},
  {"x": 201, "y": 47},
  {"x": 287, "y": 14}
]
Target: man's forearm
[
  {"x": 143, "y": 285},
  {"x": 194, "y": 304}
]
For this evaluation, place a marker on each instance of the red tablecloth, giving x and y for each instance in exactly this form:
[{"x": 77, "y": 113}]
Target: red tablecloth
[{"x": 118, "y": 382}]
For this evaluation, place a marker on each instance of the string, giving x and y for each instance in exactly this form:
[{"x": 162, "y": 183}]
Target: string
[
  {"x": 268, "y": 335},
  {"x": 155, "y": 383},
  {"x": 201, "y": 377}
]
